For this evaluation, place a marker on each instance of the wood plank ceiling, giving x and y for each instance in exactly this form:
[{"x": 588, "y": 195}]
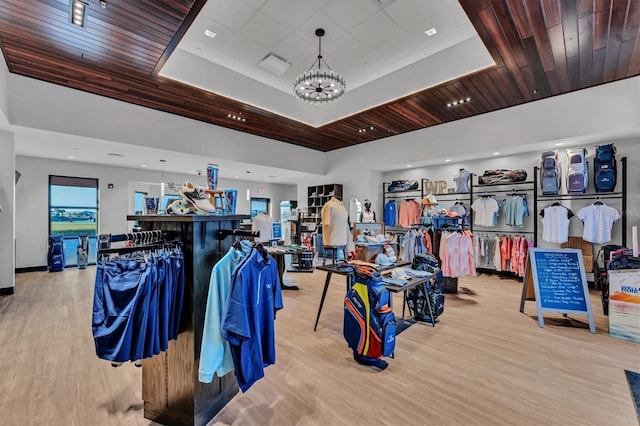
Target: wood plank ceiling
[{"x": 542, "y": 48}]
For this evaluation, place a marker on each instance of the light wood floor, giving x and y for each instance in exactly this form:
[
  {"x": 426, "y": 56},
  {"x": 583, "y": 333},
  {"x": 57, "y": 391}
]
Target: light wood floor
[{"x": 484, "y": 363}]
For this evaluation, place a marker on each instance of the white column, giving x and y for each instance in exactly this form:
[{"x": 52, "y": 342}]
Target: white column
[{"x": 7, "y": 215}]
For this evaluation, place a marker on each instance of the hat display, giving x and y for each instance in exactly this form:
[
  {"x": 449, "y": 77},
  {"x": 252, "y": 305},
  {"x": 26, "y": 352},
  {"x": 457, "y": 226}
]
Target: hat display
[
  {"x": 383, "y": 260},
  {"x": 430, "y": 200}
]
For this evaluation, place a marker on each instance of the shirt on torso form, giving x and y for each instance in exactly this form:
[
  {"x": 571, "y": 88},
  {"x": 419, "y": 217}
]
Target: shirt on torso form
[
  {"x": 462, "y": 181},
  {"x": 263, "y": 223},
  {"x": 368, "y": 216},
  {"x": 555, "y": 224},
  {"x": 598, "y": 220},
  {"x": 335, "y": 223}
]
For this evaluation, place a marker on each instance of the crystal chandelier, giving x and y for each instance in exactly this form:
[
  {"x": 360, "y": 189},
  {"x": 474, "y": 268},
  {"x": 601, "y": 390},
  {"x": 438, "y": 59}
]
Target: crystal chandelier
[{"x": 319, "y": 85}]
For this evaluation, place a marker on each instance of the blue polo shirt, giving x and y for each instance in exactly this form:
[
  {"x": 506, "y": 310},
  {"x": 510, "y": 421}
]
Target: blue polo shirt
[{"x": 249, "y": 323}]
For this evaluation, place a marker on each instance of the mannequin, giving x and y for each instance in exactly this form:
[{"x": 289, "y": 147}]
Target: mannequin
[
  {"x": 335, "y": 223},
  {"x": 264, "y": 223},
  {"x": 368, "y": 215},
  {"x": 461, "y": 178}
]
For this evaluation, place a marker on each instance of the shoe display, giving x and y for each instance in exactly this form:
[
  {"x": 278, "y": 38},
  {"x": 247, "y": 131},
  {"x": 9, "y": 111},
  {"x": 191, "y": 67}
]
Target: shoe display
[
  {"x": 196, "y": 197},
  {"x": 180, "y": 207}
]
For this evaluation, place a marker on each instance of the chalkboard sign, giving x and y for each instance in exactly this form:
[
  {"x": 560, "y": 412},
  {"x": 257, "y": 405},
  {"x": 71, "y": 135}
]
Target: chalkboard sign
[{"x": 559, "y": 282}]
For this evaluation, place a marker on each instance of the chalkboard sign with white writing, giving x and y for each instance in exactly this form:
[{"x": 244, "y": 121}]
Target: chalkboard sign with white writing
[{"x": 559, "y": 282}]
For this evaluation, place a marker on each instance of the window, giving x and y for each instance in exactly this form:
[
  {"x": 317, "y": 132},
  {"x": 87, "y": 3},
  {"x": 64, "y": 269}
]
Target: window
[
  {"x": 259, "y": 205},
  {"x": 73, "y": 211},
  {"x": 139, "y": 202}
]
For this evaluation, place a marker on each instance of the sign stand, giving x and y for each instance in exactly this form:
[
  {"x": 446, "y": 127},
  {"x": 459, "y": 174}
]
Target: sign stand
[{"x": 556, "y": 279}]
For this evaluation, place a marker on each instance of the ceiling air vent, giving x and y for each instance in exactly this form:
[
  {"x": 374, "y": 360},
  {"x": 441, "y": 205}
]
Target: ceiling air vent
[
  {"x": 274, "y": 64},
  {"x": 115, "y": 154}
]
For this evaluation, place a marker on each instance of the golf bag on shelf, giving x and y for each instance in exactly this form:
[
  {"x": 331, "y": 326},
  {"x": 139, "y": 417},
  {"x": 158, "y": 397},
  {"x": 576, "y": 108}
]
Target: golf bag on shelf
[
  {"x": 604, "y": 168},
  {"x": 577, "y": 171},
  {"x": 550, "y": 173}
]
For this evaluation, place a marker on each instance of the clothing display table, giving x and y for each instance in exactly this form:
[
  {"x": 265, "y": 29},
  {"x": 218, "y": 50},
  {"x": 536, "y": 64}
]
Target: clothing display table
[{"x": 333, "y": 269}]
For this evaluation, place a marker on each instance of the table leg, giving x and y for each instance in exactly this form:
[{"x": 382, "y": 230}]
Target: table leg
[{"x": 324, "y": 294}]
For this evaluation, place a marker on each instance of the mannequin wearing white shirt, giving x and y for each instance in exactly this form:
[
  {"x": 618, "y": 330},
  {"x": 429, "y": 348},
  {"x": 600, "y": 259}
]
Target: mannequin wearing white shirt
[
  {"x": 263, "y": 223},
  {"x": 368, "y": 215}
]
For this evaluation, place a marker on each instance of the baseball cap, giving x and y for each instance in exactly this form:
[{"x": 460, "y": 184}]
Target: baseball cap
[
  {"x": 430, "y": 200},
  {"x": 383, "y": 260}
]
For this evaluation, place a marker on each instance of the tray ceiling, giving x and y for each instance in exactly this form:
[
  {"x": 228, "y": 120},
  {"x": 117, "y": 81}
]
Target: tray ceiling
[{"x": 538, "y": 49}]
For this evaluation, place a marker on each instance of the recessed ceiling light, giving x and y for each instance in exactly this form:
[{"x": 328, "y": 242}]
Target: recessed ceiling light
[
  {"x": 560, "y": 144},
  {"x": 447, "y": 160},
  {"x": 143, "y": 166},
  {"x": 78, "y": 13},
  {"x": 408, "y": 165},
  {"x": 430, "y": 32},
  {"x": 70, "y": 157},
  {"x": 209, "y": 33},
  {"x": 496, "y": 153}
]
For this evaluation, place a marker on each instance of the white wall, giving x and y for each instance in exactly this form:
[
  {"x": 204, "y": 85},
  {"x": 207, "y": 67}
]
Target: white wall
[
  {"x": 41, "y": 105},
  {"x": 114, "y": 204},
  {"x": 626, "y": 147},
  {"x": 4, "y": 92},
  {"x": 7, "y": 204}
]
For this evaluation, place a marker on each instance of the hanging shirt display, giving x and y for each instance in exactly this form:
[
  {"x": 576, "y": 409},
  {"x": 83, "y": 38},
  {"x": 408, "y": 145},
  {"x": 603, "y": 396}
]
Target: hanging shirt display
[
  {"x": 555, "y": 223},
  {"x": 515, "y": 209},
  {"x": 409, "y": 213},
  {"x": 215, "y": 355},
  {"x": 390, "y": 213},
  {"x": 598, "y": 218},
  {"x": 485, "y": 211},
  {"x": 249, "y": 322}
]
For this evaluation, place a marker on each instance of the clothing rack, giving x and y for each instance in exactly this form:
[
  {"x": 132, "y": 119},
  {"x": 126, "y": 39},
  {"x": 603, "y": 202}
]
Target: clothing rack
[
  {"x": 621, "y": 195},
  {"x": 224, "y": 233},
  {"x": 140, "y": 237},
  {"x": 506, "y": 233}
]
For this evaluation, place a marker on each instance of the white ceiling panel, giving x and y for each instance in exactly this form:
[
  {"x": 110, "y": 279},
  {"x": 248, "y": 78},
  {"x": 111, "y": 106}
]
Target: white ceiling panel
[
  {"x": 295, "y": 49},
  {"x": 413, "y": 13},
  {"x": 232, "y": 13},
  {"x": 376, "y": 30},
  {"x": 264, "y": 31},
  {"x": 246, "y": 50},
  {"x": 307, "y": 30},
  {"x": 349, "y": 14},
  {"x": 256, "y": 4},
  {"x": 287, "y": 16},
  {"x": 223, "y": 36}
]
